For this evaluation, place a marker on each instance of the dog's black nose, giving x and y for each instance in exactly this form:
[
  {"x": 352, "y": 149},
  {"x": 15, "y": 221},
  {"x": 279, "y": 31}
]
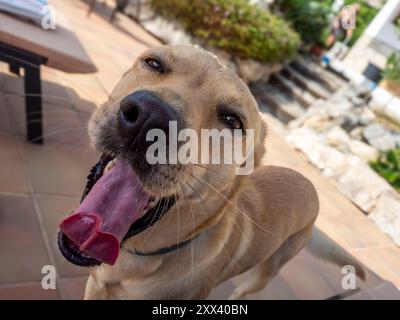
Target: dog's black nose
[
  {"x": 142, "y": 111},
  {"x": 129, "y": 110}
]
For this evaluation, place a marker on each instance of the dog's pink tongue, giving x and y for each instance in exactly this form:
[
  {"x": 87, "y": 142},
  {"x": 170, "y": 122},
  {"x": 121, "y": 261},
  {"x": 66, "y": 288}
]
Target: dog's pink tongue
[{"x": 98, "y": 226}]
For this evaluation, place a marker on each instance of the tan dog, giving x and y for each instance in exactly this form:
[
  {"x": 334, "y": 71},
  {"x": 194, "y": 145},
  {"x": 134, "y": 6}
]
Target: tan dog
[{"x": 225, "y": 224}]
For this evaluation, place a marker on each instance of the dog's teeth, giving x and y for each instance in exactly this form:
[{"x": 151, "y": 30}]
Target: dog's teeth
[
  {"x": 153, "y": 202},
  {"x": 109, "y": 166},
  {"x": 85, "y": 255}
]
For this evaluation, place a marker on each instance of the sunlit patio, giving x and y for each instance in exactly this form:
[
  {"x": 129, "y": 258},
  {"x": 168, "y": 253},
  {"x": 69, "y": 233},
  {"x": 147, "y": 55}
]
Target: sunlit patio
[{"x": 40, "y": 184}]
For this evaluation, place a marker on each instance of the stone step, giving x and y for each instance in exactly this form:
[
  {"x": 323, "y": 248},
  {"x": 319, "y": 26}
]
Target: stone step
[
  {"x": 312, "y": 70},
  {"x": 315, "y": 88},
  {"x": 302, "y": 95},
  {"x": 284, "y": 107}
]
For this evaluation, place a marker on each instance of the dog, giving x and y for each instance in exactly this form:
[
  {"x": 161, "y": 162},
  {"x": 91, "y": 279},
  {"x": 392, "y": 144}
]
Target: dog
[{"x": 198, "y": 225}]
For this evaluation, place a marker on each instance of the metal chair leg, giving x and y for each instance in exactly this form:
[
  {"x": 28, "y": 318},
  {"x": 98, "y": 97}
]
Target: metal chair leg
[{"x": 33, "y": 105}]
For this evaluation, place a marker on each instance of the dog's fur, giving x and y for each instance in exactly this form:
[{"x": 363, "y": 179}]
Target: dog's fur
[{"x": 258, "y": 221}]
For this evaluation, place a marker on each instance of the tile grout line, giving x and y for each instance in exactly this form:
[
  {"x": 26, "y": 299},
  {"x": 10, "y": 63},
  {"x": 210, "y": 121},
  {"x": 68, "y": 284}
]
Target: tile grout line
[
  {"x": 385, "y": 266},
  {"x": 34, "y": 282},
  {"x": 380, "y": 246},
  {"x": 317, "y": 269},
  {"x": 288, "y": 286}
]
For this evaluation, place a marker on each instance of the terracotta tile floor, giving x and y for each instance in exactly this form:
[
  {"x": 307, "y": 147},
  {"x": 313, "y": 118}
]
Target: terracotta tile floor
[{"x": 41, "y": 184}]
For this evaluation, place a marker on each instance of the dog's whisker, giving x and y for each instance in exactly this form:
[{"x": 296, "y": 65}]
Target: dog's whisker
[
  {"x": 199, "y": 196},
  {"x": 232, "y": 204},
  {"x": 62, "y": 142},
  {"x": 43, "y": 95},
  {"x": 53, "y": 133},
  {"x": 206, "y": 207},
  {"x": 152, "y": 219},
  {"x": 177, "y": 209},
  {"x": 207, "y": 168},
  {"x": 183, "y": 189},
  {"x": 192, "y": 243}
]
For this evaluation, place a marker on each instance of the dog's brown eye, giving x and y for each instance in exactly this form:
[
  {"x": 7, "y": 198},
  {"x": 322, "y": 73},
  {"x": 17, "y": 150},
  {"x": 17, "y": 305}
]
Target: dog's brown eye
[
  {"x": 154, "y": 64},
  {"x": 232, "y": 121}
]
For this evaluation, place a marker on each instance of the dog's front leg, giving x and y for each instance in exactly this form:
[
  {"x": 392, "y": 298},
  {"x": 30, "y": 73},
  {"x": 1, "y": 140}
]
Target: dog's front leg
[{"x": 95, "y": 290}]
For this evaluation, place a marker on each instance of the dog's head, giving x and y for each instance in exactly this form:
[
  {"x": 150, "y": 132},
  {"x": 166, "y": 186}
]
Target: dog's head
[
  {"x": 170, "y": 88},
  {"x": 182, "y": 84}
]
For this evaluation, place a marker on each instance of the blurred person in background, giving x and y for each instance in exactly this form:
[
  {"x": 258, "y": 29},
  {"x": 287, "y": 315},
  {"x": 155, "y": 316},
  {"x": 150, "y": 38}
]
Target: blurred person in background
[{"x": 342, "y": 24}]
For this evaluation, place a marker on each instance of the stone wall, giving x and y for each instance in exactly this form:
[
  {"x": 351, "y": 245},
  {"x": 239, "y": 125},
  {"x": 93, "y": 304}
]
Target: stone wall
[{"x": 340, "y": 136}]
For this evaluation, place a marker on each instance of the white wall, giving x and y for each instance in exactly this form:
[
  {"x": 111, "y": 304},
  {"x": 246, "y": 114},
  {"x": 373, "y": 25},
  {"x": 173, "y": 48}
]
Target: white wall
[
  {"x": 378, "y": 41},
  {"x": 382, "y": 28}
]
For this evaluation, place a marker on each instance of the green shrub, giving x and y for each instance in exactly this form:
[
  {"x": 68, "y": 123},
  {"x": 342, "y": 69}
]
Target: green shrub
[
  {"x": 235, "y": 26},
  {"x": 311, "y": 19},
  {"x": 392, "y": 69},
  {"x": 388, "y": 166}
]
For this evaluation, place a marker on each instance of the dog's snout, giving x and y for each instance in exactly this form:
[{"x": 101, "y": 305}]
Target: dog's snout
[
  {"x": 142, "y": 111},
  {"x": 129, "y": 111},
  {"x": 133, "y": 109}
]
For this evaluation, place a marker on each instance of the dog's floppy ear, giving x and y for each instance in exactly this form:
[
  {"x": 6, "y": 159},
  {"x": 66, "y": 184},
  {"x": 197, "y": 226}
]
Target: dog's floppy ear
[{"x": 260, "y": 148}]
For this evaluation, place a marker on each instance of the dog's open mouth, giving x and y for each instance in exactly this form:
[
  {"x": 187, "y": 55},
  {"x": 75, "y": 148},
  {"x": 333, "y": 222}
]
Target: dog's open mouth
[{"x": 114, "y": 207}]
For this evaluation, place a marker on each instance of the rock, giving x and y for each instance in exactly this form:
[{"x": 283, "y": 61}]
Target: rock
[
  {"x": 380, "y": 138},
  {"x": 337, "y": 137},
  {"x": 350, "y": 121},
  {"x": 252, "y": 71},
  {"x": 366, "y": 117},
  {"x": 329, "y": 160},
  {"x": 374, "y": 131},
  {"x": 363, "y": 150},
  {"x": 316, "y": 117},
  {"x": 357, "y": 101},
  {"x": 383, "y": 143},
  {"x": 337, "y": 110},
  {"x": 303, "y": 138},
  {"x": 386, "y": 214},
  {"x": 362, "y": 185},
  {"x": 318, "y": 123},
  {"x": 351, "y": 175},
  {"x": 356, "y": 133},
  {"x": 357, "y": 90}
]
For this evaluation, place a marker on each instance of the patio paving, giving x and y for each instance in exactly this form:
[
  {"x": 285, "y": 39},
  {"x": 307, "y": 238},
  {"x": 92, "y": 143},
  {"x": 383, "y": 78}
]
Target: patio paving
[{"x": 41, "y": 184}]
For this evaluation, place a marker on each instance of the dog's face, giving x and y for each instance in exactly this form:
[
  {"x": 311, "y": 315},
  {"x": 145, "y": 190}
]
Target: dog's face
[
  {"x": 127, "y": 193},
  {"x": 184, "y": 84}
]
